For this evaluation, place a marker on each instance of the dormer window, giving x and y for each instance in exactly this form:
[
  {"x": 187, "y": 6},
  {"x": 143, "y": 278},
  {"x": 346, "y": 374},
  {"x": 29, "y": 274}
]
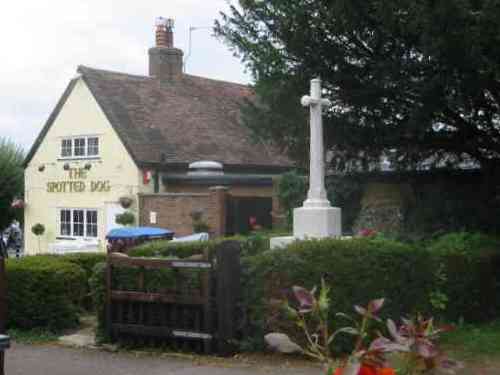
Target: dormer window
[{"x": 80, "y": 147}]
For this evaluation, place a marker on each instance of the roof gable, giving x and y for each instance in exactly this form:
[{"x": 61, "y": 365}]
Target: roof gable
[
  {"x": 50, "y": 121},
  {"x": 181, "y": 121},
  {"x": 178, "y": 122}
]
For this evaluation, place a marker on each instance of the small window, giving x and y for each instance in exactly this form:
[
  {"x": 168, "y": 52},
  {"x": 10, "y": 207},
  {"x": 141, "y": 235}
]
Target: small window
[
  {"x": 66, "y": 148},
  {"x": 93, "y": 146},
  {"x": 78, "y": 222},
  {"x": 79, "y": 146},
  {"x": 65, "y": 223},
  {"x": 91, "y": 223}
]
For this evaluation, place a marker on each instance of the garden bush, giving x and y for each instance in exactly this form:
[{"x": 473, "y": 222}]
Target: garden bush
[
  {"x": 250, "y": 245},
  {"x": 85, "y": 260},
  {"x": 470, "y": 275},
  {"x": 461, "y": 269},
  {"x": 44, "y": 291}
]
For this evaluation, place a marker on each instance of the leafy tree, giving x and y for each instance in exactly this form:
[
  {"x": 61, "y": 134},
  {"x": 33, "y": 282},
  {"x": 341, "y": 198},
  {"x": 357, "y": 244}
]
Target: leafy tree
[
  {"x": 412, "y": 79},
  {"x": 11, "y": 179}
]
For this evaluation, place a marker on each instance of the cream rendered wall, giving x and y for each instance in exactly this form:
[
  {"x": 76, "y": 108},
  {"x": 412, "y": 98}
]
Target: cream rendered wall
[{"x": 81, "y": 115}]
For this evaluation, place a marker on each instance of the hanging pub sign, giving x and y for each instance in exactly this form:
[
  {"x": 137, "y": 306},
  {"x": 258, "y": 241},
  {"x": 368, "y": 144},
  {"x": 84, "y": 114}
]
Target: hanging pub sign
[{"x": 77, "y": 183}]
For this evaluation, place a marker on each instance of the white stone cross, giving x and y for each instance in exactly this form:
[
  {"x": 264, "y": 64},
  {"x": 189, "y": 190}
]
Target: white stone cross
[
  {"x": 316, "y": 218},
  {"x": 316, "y": 196}
]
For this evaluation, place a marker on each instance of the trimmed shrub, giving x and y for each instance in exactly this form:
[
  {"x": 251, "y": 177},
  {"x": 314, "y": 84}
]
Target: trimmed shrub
[
  {"x": 359, "y": 270},
  {"x": 97, "y": 284},
  {"x": 251, "y": 245},
  {"x": 44, "y": 291},
  {"x": 85, "y": 260}
]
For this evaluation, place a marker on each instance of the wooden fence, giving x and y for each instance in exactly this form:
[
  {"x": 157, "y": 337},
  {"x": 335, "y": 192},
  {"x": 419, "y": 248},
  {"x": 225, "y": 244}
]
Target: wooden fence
[{"x": 196, "y": 316}]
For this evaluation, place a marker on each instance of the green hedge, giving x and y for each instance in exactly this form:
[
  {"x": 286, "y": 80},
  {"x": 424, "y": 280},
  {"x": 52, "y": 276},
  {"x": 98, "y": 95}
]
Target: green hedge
[
  {"x": 251, "y": 245},
  {"x": 470, "y": 264},
  {"x": 85, "y": 260},
  {"x": 44, "y": 291},
  {"x": 409, "y": 276}
]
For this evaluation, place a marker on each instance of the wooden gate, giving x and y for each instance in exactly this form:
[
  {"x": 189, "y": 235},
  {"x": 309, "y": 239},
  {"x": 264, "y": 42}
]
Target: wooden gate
[{"x": 200, "y": 318}]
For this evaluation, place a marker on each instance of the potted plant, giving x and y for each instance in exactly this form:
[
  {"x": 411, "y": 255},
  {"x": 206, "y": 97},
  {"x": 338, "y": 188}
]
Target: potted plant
[
  {"x": 126, "y": 218},
  {"x": 125, "y": 201},
  {"x": 38, "y": 230}
]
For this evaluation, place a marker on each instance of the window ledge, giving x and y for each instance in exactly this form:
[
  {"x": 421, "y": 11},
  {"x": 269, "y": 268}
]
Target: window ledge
[
  {"x": 80, "y": 158},
  {"x": 86, "y": 239}
]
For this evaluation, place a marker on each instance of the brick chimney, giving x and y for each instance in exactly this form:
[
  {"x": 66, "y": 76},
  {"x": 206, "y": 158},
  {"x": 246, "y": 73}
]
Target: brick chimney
[{"x": 165, "y": 61}]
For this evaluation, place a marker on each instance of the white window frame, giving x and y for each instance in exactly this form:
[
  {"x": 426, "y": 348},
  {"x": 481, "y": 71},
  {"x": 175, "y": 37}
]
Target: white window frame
[
  {"x": 86, "y": 154},
  {"x": 72, "y": 222}
]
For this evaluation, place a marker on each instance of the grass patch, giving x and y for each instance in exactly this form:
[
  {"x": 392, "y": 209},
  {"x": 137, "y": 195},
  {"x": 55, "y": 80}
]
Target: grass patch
[
  {"x": 32, "y": 336},
  {"x": 474, "y": 342}
]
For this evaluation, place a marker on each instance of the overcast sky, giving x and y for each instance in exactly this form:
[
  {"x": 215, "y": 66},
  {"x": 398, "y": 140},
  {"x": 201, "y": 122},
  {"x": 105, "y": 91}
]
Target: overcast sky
[{"x": 43, "y": 42}]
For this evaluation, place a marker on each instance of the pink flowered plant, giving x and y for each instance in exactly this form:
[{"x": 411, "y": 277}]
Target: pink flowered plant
[{"x": 365, "y": 232}]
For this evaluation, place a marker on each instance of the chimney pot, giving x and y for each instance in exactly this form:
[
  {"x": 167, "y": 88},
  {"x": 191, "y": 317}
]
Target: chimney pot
[{"x": 165, "y": 61}]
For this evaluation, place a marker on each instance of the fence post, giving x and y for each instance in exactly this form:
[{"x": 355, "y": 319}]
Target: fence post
[{"x": 227, "y": 293}]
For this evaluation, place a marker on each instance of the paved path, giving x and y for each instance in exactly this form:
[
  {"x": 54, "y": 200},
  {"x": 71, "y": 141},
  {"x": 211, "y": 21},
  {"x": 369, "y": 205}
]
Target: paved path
[{"x": 56, "y": 360}]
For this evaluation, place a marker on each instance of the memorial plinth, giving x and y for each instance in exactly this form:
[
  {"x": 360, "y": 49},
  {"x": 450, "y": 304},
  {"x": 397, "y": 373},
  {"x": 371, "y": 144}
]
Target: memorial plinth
[{"x": 316, "y": 218}]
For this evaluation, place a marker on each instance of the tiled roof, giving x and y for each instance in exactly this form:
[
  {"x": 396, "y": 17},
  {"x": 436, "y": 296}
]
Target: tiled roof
[{"x": 181, "y": 121}]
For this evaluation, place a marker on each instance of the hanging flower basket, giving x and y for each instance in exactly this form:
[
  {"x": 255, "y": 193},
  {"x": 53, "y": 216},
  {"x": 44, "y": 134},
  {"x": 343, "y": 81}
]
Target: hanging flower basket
[
  {"x": 125, "y": 202},
  {"x": 17, "y": 203}
]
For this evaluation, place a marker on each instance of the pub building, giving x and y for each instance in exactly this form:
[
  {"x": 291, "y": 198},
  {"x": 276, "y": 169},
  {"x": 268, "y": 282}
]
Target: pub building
[{"x": 168, "y": 147}]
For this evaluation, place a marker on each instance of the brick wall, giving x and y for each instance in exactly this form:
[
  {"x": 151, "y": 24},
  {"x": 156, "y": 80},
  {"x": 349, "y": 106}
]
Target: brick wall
[
  {"x": 277, "y": 214},
  {"x": 173, "y": 210}
]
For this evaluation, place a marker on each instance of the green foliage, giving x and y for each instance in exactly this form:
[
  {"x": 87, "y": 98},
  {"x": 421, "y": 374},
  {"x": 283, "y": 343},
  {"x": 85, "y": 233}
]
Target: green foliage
[
  {"x": 44, "y": 291},
  {"x": 464, "y": 243},
  {"x": 86, "y": 261},
  {"x": 250, "y": 245},
  {"x": 292, "y": 191},
  {"x": 38, "y": 229},
  {"x": 346, "y": 192},
  {"x": 360, "y": 269},
  {"x": 35, "y": 336},
  {"x": 126, "y": 218},
  {"x": 165, "y": 248},
  {"x": 11, "y": 180},
  {"x": 416, "y": 78},
  {"x": 97, "y": 284}
]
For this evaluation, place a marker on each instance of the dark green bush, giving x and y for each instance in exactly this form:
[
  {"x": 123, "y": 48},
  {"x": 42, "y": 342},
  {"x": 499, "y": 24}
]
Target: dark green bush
[
  {"x": 44, "y": 291},
  {"x": 359, "y": 270},
  {"x": 471, "y": 269},
  {"x": 97, "y": 284}
]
